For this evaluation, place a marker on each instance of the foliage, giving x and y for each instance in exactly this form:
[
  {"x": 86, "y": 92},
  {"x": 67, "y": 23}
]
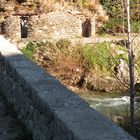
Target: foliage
[
  {"x": 96, "y": 56},
  {"x": 46, "y": 44},
  {"x": 63, "y": 43},
  {"x": 117, "y": 25},
  {"x": 135, "y": 10},
  {"x": 135, "y": 26},
  {"x": 29, "y": 50},
  {"x": 112, "y": 26},
  {"x": 117, "y": 13},
  {"x": 102, "y": 56},
  {"x": 112, "y": 8},
  {"x": 122, "y": 55},
  {"x": 99, "y": 57}
]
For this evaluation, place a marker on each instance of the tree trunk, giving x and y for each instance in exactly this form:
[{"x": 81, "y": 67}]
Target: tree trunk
[{"x": 131, "y": 72}]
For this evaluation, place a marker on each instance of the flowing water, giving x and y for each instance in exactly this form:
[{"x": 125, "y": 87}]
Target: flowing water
[{"x": 114, "y": 106}]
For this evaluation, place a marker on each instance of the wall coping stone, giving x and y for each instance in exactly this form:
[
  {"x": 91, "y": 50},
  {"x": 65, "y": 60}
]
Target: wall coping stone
[{"x": 52, "y": 98}]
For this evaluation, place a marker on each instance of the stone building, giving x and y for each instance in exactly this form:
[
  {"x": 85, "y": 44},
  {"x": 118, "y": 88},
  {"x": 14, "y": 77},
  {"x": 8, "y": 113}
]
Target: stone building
[{"x": 53, "y": 25}]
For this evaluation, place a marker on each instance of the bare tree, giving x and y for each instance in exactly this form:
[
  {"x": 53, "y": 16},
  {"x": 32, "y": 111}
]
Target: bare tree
[{"x": 131, "y": 70}]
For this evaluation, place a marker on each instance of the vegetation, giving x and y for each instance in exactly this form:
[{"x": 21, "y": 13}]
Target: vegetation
[
  {"x": 29, "y": 50},
  {"x": 117, "y": 16},
  {"x": 101, "y": 57},
  {"x": 97, "y": 56},
  {"x": 63, "y": 43}
]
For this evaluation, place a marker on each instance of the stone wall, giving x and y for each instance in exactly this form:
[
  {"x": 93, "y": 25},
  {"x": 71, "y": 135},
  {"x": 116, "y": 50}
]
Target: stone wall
[
  {"x": 55, "y": 25},
  {"x": 13, "y": 27},
  {"x": 48, "y": 109}
]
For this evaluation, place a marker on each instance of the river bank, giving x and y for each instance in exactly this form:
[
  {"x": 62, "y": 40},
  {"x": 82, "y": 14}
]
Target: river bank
[
  {"x": 92, "y": 67},
  {"x": 116, "y": 107}
]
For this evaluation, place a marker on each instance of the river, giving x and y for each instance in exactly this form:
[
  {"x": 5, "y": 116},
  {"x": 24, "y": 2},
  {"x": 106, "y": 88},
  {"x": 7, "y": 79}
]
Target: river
[{"x": 114, "y": 106}]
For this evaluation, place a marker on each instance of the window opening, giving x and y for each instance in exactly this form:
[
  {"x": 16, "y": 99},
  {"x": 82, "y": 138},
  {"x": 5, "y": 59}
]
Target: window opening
[
  {"x": 86, "y": 28},
  {"x": 4, "y": 27},
  {"x": 24, "y": 27}
]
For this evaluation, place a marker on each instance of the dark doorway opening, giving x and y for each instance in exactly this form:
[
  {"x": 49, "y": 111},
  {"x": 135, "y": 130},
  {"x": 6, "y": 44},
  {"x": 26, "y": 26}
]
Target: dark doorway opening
[
  {"x": 86, "y": 28},
  {"x": 24, "y": 27},
  {"x": 4, "y": 27}
]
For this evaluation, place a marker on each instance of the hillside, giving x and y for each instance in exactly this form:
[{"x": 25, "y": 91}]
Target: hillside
[
  {"x": 110, "y": 15},
  {"x": 89, "y": 67},
  {"x": 8, "y": 7},
  {"x": 117, "y": 23}
]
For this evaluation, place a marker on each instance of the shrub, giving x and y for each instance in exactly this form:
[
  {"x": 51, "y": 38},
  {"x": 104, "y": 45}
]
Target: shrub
[
  {"x": 63, "y": 43},
  {"x": 95, "y": 56},
  {"x": 29, "y": 51},
  {"x": 102, "y": 56},
  {"x": 112, "y": 26},
  {"x": 91, "y": 6},
  {"x": 46, "y": 44},
  {"x": 117, "y": 22},
  {"x": 135, "y": 26}
]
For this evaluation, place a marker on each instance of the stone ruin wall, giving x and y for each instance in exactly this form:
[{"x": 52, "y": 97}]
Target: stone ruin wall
[
  {"x": 13, "y": 30},
  {"x": 53, "y": 25}
]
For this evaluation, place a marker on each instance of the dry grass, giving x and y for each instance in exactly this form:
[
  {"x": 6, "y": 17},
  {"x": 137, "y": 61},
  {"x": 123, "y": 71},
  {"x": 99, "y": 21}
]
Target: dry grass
[
  {"x": 49, "y": 4},
  {"x": 91, "y": 6},
  {"x": 62, "y": 62}
]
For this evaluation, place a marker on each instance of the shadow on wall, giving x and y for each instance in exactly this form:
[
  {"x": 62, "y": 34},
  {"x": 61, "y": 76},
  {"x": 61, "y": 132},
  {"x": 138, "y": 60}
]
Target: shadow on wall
[
  {"x": 86, "y": 28},
  {"x": 4, "y": 26}
]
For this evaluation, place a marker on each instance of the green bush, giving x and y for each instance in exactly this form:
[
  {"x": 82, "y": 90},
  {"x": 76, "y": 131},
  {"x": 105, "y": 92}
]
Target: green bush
[
  {"x": 135, "y": 26},
  {"x": 96, "y": 56},
  {"x": 29, "y": 51},
  {"x": 113, "y": 8},
  {"x": 112, "y": 26},
  {"x": 102, "y": 56},
  {"x": 117, "y": 19}
]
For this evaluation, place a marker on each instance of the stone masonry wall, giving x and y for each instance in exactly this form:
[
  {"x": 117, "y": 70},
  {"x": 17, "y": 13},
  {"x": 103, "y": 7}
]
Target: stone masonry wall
[
  {"x": 55, "y": 25},
  {"x": 13, "y": 27},
  {"x": 48, "y": 109}
]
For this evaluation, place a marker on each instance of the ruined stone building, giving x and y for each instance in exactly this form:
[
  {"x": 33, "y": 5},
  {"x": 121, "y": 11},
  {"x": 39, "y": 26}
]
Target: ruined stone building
[{"x": 57, "y": 24}]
